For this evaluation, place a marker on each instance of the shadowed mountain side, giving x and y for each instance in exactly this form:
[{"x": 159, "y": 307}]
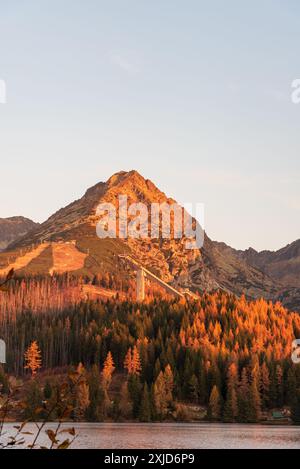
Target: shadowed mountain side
[
  {"x": 13, "y": 228},
  {"x": 282, "y": 267}
]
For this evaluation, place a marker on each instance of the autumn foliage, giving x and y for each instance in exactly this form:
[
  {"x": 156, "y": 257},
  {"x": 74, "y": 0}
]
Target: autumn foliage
[
  {"x": 228, "y": 354},
  {"x": 33, "y": 360}
]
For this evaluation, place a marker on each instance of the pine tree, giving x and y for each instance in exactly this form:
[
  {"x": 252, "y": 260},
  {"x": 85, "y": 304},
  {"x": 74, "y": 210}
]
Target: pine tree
[
  {"x": 94, "y": 412},
  {"x": 295, "y": 411},
  {"x": 231, "y": 405},
  {"x": 273, "y": 387},
  {"x": 243, "y": 398},
  {"x": 47, "y": 390},
  {"x": 128, "y": 361},
  {"x": 33, "y": 360},
  {"x": 160, "y": 397},
  {"x": 33, "y": 401},
  {"x": 193, "y": 388},
  {"x": 214, "y": 406},
  {"x": 82, "y": 398},
  {"x": 157, "y": 368},
  {"x": 81, "y": 392},
  {"x": 279, "y": 385},
  {"x": 135, "y": 391},
  {"x": 125, "y": 402},
  {"x": 132, "y": 362},
  {"x": 145, "y": 408},
  {"x": 136, "y": 361},
  {"x": 265, "y": 385},
  {"x": 108, "y": 369},
  {"x": 116, "y": 409},
  {"x": 254, "y": 402},
  {"x": 169, "y": 384},
  {"x": 203, "y": 397},
  {"x": 291, "y": 386},
  {"x": 187, "y": 374}
]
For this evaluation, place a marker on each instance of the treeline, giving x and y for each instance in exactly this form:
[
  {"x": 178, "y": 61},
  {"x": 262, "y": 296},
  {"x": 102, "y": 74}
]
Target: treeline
[
  {"x": 38, "y": 295},
  {"x": 42, "y": 294},
  {"x": 227, "y": 354}
]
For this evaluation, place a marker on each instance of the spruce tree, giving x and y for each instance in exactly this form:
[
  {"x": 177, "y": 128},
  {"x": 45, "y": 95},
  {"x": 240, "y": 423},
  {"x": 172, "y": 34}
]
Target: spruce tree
[
  {"x": 202, "y": 389},
  {"x": 169, "y": 385},
  {"x": 295, "y": 411},
  {"x": 135, "y": 391},
  {"x": 160, "y": 396},
  {"x": 82, "y": 398},
  {"x": 265, "y": 385},
  {"x": 47, "y": 390},
  {"x": 145, "y": 408},
  {"x": 291, "y": 386},
  {"x": 254, "y": 402},
  {"x": 193, "y": 389},
  {"x": 215, "y": 405},
  {"x": 243, "y": 398},
  {"x": 231, "y": 405},
  {"x": 279, "y": 385},
  {"x": 136, "y": 361},
  {"x": 33, "y": 401},
  {"x": 157, "y": 368},
  {"x": 94, "y": 412}
]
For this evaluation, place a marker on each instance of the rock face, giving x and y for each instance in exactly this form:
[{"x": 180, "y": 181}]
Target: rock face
[
  {"x": 282, "y": 267},
  {"x": 215, "y": 265},
  {"x": 14, "y": 228}
]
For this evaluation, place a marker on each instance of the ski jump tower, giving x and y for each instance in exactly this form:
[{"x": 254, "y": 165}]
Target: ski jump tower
[
  {"x": 142, "y": 273},
  {"x": 140, "y": 285}
]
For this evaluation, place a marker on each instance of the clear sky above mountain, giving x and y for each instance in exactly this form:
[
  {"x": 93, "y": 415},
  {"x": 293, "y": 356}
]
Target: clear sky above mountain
[{"x": 194, "y": 95}]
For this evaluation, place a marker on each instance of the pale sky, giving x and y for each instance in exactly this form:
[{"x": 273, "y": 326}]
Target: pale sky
[{"x": 195, "y": 95}]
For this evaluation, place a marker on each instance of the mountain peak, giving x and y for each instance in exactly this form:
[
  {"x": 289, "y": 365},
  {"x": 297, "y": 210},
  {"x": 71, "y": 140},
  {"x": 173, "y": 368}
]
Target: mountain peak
[
  {"x": 83, "y": 211},
  {"x": 135, "y": 186},
  {"x": 121, "y": 176},
  {"x": 13, "y": 228}
]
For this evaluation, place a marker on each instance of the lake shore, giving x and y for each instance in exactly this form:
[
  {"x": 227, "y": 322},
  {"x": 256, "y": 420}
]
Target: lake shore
[{"x": 174, "y": 435}]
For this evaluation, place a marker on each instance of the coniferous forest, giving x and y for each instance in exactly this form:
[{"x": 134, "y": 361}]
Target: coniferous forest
[{"x": 229, "y": 358}]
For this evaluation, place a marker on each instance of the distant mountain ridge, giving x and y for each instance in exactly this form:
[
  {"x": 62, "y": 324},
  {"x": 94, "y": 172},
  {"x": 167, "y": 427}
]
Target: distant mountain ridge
[
  {"x": 282, "y": 266},
  {"x": 13, "y": 228},
  {"x": 213, "y": 266}
]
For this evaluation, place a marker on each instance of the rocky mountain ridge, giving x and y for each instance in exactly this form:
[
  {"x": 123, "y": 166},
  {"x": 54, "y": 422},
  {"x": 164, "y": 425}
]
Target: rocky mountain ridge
[
  {"x": 13, "y": 228},
  {"x": 213, "y": 266}
]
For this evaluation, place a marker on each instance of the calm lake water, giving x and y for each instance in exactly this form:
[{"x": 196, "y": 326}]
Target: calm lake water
[{"x": 178, "y": 436}]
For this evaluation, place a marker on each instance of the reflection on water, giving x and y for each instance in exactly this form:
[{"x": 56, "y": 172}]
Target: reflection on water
[{"x": 180, "y": 435}]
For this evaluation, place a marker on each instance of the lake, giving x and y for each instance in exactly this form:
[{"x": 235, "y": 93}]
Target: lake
[{"x": 178, "y": 435}]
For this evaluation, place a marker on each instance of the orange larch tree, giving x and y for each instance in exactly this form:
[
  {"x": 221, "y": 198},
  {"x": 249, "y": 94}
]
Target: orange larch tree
[
  {"x": 33, "y": 359},
  {"x": 108, "y": 369},
  {"x": 128, "y": 361},
  {"x": 136, "y": 361},
  {"x": 132, "y": 362}
]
